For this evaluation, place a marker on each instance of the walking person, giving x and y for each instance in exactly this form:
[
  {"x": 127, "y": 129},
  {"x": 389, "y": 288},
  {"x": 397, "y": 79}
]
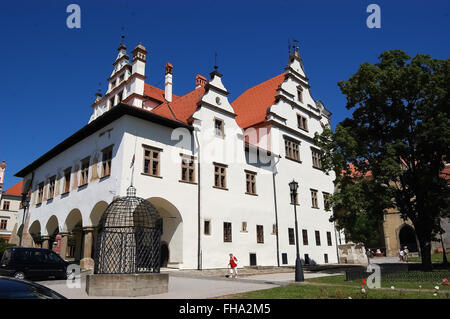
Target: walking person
[
  {"x": 233, "y": 266},
  {"x": 405, "y": 253},
  {"x": 401, "y": 255}
]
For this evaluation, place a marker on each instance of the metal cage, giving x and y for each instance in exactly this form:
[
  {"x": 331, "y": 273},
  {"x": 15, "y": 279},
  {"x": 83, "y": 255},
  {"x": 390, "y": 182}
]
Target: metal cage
[{"x": 129, "y": 235}]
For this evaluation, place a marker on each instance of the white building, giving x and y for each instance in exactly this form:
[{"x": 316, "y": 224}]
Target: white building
[
  {"x": 217, "y": 172},
  {"x": 10, "y": 204}
]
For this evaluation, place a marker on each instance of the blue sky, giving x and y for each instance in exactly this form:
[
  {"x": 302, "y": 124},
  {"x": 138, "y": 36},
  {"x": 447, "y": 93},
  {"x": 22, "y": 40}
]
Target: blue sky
[{"x": 50, "y": 73}]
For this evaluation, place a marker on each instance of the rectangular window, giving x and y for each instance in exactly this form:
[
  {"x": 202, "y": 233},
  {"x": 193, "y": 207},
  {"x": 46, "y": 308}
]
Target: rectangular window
[
  {"x": 122, "y": 77},
  {"x": 51, "y": 187},
  {"x": 120, "y": 97},
  {"x": 274, "y": 229},
  {"x": 314, "y": 200},
  {"x": 305, "y": 237},
  {"x": 220, "y": 175},
  {"x": 151, "y": 161},
  {"x": 300, "y": 94},
  {"x": 67, "y": 174},
  {"x": 6, "y": 205},
  {"x": 292, "y": 150},
  {"x": 251, "y": 182},
  {"x": 111, "y": 102},
  {"x": 219, "y": 127},
  {"x": 326, "y": 203},
  {"x": 260, "y": 234},
  {"x": 227, "y": 232},
  {"x": 40, "y": 193},
  {"x": 291, "y": 236},
  {"x": 302, "y": 122},
  {"x": 244, "y": 227},
  {"x": 3, "y": 224},
  {"x": 187, "y": 169},
  {"x": 106, "y": 161},
  {"x": 325, "y": 258},
  {"x": 316, "y": 158},
  {"x": 330, "y": 243},
  {"x": 284, "y": 258},
  {"x": 207, "y": 227},
  {"x": 317, "y": 238},
  {"x": 84, "y": 174}
]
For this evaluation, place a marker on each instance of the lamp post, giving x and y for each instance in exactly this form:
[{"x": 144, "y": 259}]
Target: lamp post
[
  {"x": 25, "y": 204},
  {"x": 298, "y": 263}
]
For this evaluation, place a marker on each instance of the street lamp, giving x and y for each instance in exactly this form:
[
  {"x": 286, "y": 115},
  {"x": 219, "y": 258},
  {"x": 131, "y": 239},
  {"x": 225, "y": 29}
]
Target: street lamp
[
  {"x": 25, "y": 204},
  {"x": 298, "y": 263}
]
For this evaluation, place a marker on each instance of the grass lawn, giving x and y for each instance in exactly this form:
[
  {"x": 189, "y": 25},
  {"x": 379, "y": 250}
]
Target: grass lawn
[
  {"x": 408, "y": 280},
  {"x": 435, "y": 258},
  {"x": 337, "y": 287},
  {"x": 326, "y": 292}
]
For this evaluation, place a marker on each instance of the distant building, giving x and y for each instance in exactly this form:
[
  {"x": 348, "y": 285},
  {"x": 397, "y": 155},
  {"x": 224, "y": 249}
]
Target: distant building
[{"x": 10, "y": 204}]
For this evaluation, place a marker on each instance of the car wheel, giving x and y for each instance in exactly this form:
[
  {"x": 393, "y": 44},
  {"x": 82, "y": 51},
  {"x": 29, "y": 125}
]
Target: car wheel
[{"x": 19, "y": 275}]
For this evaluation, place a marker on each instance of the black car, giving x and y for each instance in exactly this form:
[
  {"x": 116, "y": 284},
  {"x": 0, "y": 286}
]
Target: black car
[
  {"x": 21, "y": 263},
  {"x": 11, "y": 288}
]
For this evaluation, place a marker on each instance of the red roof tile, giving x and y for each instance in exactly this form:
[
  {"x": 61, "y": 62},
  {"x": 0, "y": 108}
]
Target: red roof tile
[
  {"x": 183, "y": 107},
  {"x": 156, "y": 93},
  {"x": 15, "y": 190},
  {"x": 251, "y": 106}
]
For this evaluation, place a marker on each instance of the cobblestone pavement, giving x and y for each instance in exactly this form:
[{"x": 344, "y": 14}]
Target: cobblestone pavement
[{"x": 193, "y": 284}]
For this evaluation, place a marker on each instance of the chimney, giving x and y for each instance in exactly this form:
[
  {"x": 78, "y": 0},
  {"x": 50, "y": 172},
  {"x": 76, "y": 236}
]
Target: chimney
[
  {"x": 168, "y": 82},
  {"x": 199, "y": 81}
]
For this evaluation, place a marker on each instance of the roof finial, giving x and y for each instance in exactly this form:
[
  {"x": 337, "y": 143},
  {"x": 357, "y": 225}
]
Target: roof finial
[
  {"x": 123, "y": 35},
  {"x": 215, "y": 61}
]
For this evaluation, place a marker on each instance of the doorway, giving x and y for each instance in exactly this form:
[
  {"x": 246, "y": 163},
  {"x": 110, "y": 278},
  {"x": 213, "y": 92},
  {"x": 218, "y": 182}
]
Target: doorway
[{"x": 164, "y": 254}]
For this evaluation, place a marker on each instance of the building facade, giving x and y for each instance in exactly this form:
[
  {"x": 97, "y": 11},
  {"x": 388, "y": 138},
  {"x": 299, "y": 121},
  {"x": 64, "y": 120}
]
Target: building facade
[
  {"x": 216, "y": 171},
  {"x": 10, "y": 204}
]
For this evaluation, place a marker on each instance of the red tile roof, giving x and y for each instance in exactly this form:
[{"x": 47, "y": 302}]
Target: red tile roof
[
  {"x": 251, "y": 106},
  {"x": 156, "y": 93},
  {"x": 15, "y": 190},
  {"x": 181, "y": 108}
]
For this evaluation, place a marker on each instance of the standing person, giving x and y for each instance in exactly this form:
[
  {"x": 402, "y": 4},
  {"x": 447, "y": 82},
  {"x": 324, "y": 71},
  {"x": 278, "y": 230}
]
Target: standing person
[
  {"x": 402, "y": 254},
  {"x": 406, "y": 252},
  {"x": 233, "y": 266}
]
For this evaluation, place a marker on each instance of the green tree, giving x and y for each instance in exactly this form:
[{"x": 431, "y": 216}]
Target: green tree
[{"x": 396, "y": 142}]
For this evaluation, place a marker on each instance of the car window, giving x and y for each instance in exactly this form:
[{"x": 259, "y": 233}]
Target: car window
[
  {"x": 39, "y": 257},
  {"x": 21, "y": 255},
  {"x": 6, "y": 257},
  {"x": 54, "y": 258}
]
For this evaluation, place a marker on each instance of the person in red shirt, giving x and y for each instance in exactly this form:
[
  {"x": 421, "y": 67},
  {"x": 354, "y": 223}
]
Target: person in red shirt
[{"x": 233, "y": 266}]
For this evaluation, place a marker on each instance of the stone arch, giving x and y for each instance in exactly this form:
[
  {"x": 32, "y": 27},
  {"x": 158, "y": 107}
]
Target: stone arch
[
  {"x": 97, "y": 212},
  {"x": 172, "y": 229},
  {"x": 52, "y": 226},
  {"x": 35, "y": 232},
  {"x": 94, "y": 218},
  {"x": 73, "y": 225},
  {"x": 73, "y": 220},
  {"x": 407, "y": 237}
]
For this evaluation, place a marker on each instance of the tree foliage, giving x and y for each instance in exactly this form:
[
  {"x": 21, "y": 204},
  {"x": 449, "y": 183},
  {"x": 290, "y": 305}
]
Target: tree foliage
[{"x": 391, "y": 152}]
